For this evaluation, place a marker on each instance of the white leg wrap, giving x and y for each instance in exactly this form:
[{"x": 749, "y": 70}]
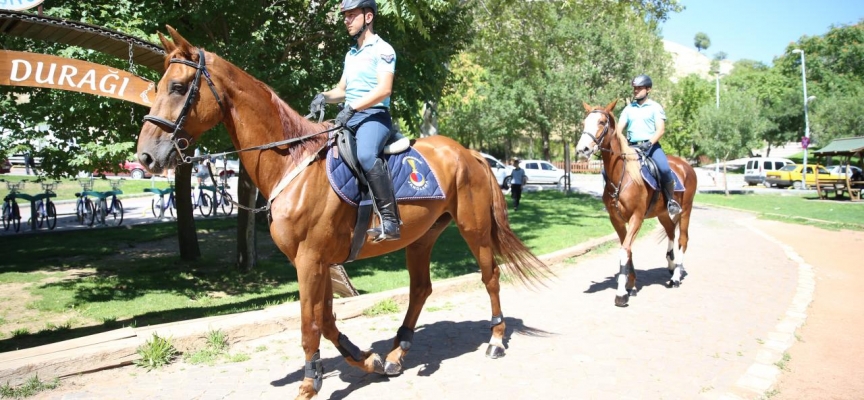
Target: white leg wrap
[
  {"x": 622, "y": 282},
  {"x": 676, "y": 274}
]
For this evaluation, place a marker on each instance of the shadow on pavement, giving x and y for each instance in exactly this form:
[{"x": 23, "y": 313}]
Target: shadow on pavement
[{"x": 433, "y": 344}]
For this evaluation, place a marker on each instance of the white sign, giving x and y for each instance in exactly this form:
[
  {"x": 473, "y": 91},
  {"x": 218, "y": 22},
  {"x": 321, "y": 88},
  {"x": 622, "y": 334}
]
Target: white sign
[{"x": 19, "y": 5}]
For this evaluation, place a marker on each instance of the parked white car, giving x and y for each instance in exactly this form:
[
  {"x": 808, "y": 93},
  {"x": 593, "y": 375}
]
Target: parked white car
[
  {"x": 539, "y": 171},
  {"x": 499, "y": 169}
]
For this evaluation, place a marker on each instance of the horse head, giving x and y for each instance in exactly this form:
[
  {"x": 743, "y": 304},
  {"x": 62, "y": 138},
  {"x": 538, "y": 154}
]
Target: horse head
[
  {"x": 181, "y": 112},
  {"x": 597, "y": 128}
]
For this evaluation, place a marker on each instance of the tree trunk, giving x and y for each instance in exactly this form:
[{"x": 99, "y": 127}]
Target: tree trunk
[
  {"x": 247, "y": 256},
  {"x": 186, "y": 235}
]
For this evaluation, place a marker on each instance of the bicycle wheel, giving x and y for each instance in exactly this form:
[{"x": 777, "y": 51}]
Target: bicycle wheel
[
  {"x": 205, "y": 205},
  {"x": 51, "y": 212},
  {"x": 7, "y": 216},
  {"x": 172, "y": 206},
  {"x": 41, "y": 216},
  {"x": 16, "y": 217},
  {"x": 117, "y": 212},
  {"x": 90, "y": 216},
  {"x": 227, "y": 204}
]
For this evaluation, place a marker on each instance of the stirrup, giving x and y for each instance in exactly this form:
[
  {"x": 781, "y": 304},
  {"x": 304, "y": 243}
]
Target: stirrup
[{"x": 673, "y": 208}]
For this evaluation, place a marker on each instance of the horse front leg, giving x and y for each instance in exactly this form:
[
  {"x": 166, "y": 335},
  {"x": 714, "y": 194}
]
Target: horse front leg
[{"x": 626, "y": 270}]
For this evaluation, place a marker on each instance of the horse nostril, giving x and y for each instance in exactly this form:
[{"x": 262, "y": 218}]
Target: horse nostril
[{"x": 146, "y": 159}]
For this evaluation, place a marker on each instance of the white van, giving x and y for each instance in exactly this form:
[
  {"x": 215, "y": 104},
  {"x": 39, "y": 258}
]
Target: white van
[{"x": 755, "y": 168}]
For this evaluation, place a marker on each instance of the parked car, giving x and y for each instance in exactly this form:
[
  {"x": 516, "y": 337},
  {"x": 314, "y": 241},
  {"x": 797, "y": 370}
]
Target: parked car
[
  {"x": 132, "y": 169},
  {"x": 500, "y": 170},
  {"x": 790, "y": 175},
  {"x": 755, "y": 168},
  {"x": 840, "y": 171},
  {"x": 5, "y": 166},
  {"x": 539, "y": 171}
]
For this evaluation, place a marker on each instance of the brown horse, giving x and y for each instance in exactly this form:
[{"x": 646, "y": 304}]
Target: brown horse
[
  {"x": 628, "y": 198},
  {"x": 310, "y": 223}
]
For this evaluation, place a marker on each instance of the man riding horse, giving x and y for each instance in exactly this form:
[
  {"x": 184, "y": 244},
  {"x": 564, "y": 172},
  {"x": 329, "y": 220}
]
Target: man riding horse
[
  {"x": 365, "y": 87},
  {"x": 645, "y": 122}
]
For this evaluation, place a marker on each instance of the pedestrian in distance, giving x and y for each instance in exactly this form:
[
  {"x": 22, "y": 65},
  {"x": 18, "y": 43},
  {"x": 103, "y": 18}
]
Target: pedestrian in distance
[
  {"x": 517, "y": 179},
  {"x": 365, "y": 87},
  {"x": 645, "y": 122}
]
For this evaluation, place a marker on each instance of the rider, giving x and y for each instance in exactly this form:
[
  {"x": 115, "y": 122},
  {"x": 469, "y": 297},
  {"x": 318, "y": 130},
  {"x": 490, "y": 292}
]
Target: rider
[
  {"x": 365, "y": 87},
  {"x": 645, "y": 122}
]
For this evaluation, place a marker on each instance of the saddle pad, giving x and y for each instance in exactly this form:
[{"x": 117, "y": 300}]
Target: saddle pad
[
  {"x": 646, "y": 176},
  {"x": 413, "y": 179}
]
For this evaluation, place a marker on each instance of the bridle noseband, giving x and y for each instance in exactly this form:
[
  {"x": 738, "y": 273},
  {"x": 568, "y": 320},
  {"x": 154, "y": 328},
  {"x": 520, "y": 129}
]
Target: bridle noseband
[{"x": 183, "y": 142}]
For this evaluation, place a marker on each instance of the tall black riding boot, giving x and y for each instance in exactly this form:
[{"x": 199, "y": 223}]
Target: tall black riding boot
[
  {"x": 385, "y": 202},
  {"x": 668, "y": 192}
]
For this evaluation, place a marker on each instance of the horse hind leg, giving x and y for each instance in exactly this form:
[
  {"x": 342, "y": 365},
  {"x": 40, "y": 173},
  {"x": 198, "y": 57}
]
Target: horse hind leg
[{"x": 418, "y": 256}]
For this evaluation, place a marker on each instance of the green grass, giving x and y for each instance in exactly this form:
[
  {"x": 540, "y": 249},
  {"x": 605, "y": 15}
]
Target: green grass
[{"x": 802, "y": 209}]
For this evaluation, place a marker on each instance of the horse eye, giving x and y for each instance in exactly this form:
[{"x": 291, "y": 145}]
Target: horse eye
[{"x": 178, "y": 88}]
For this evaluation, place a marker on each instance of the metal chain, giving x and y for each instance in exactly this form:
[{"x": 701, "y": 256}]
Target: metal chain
[{"x": 131, "y": 71}]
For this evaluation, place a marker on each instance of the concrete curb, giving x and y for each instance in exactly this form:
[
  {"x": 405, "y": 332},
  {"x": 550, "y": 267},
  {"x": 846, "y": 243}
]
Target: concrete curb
[{"x": 119, "y": 347}]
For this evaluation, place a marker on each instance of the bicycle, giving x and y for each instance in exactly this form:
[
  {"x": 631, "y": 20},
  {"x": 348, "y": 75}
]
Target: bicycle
[
  {"x": 84, "y": 207},
  {"x": 11, "y": 212},
  {"x": 114, "y": 209},
  {"x": 46, "y": 211},
  {"x": 204, "y": 203},
  {"x": 158, "y": 205}
]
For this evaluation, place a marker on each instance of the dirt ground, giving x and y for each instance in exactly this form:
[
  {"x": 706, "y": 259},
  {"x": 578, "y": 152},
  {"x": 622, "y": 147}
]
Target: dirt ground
[{"x": 826, "y": 361}]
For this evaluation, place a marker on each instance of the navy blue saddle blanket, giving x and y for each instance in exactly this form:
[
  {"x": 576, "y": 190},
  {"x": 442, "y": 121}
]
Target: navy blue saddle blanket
[
  {"x": 646, "y": 176},
  {"x": 412, "y": 177}
]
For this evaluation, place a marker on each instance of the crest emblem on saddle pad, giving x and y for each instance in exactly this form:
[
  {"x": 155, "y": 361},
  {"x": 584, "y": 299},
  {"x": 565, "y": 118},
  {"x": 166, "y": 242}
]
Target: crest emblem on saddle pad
[{"x": 415, "y": 178}]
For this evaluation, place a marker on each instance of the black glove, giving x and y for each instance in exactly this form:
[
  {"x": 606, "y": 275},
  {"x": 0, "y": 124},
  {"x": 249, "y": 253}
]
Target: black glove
[
  {"x": 345, "y": 115},
  {"x": 317, "y": 104},
  {"x": 644, "y": 146}
]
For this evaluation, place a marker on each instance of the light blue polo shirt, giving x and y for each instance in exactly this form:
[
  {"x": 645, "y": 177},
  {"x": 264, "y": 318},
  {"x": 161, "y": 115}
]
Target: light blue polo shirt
[
  {"x": 642, "y": 119},
  {"x": 363, "y": 65}
]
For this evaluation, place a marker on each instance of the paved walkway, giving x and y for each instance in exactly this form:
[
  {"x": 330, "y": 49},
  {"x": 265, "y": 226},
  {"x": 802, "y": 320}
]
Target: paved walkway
[{"x": 714, "y": 337}]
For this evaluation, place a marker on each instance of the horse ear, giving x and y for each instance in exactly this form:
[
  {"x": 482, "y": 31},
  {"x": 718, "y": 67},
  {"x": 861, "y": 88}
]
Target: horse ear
[
  {"x": 179, "y": 41},
  {"x": 587, "y": 107},
  {"x": 166, "y": 44},
  {"x": 611, "y": 106}
]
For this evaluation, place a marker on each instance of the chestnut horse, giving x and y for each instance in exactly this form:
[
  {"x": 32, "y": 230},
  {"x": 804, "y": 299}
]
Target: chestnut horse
[
  {"x": 310, "y": 223},
  {"x": 627, "y": 197}
]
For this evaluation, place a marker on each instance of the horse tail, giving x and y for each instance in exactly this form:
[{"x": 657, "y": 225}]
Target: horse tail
[{"x": 514, "y": 257}]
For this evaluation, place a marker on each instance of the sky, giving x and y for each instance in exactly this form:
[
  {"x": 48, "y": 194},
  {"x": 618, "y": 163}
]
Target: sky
[{"x": 757, "y": 29}]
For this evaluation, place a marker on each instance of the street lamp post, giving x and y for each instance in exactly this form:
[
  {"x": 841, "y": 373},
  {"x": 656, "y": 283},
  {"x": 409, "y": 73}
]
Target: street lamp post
[{"x": 806, "y": 140}]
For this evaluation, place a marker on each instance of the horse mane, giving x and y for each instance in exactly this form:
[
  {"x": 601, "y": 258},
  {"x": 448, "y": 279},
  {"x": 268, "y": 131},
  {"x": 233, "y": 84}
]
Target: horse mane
[
  {"x": 294, "y": 125},
  {"x": 631, "y": 162}
]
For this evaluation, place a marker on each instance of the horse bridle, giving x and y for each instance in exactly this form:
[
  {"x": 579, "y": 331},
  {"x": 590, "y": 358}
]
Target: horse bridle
[
  {"x": 598, "y": 140},
  {"x": 179, "y": 137}
]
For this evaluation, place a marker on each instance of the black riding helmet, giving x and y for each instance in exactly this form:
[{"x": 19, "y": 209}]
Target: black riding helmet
[
  {"x": 348, "y": 5},
  {"x": 641, "y": 80}
]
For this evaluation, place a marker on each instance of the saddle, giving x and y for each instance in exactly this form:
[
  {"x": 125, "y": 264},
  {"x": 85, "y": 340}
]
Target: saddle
[{"x": 346, "y": 145}]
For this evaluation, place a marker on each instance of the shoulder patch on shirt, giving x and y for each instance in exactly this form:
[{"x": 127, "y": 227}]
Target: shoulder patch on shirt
[{"x": 388, "y": 58}]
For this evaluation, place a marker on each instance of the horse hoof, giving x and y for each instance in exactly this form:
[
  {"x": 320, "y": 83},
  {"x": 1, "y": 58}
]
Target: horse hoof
[
  {"x": 378, "y": 365},
  {"x": 621, "y": 301},
  {"x": 494, "y": 351},
  {"x": 392, "y": 369}
]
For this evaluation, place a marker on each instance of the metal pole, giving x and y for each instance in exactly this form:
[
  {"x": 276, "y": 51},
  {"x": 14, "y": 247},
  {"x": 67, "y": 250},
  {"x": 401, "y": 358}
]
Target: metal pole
[{"x": 806, "y": 119}]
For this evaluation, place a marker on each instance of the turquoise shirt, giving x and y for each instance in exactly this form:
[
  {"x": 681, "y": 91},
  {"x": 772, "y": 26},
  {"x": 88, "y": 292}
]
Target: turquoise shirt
[
  {"x": 642, "y": 119},
  {"x": 362, "y": 67}
]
